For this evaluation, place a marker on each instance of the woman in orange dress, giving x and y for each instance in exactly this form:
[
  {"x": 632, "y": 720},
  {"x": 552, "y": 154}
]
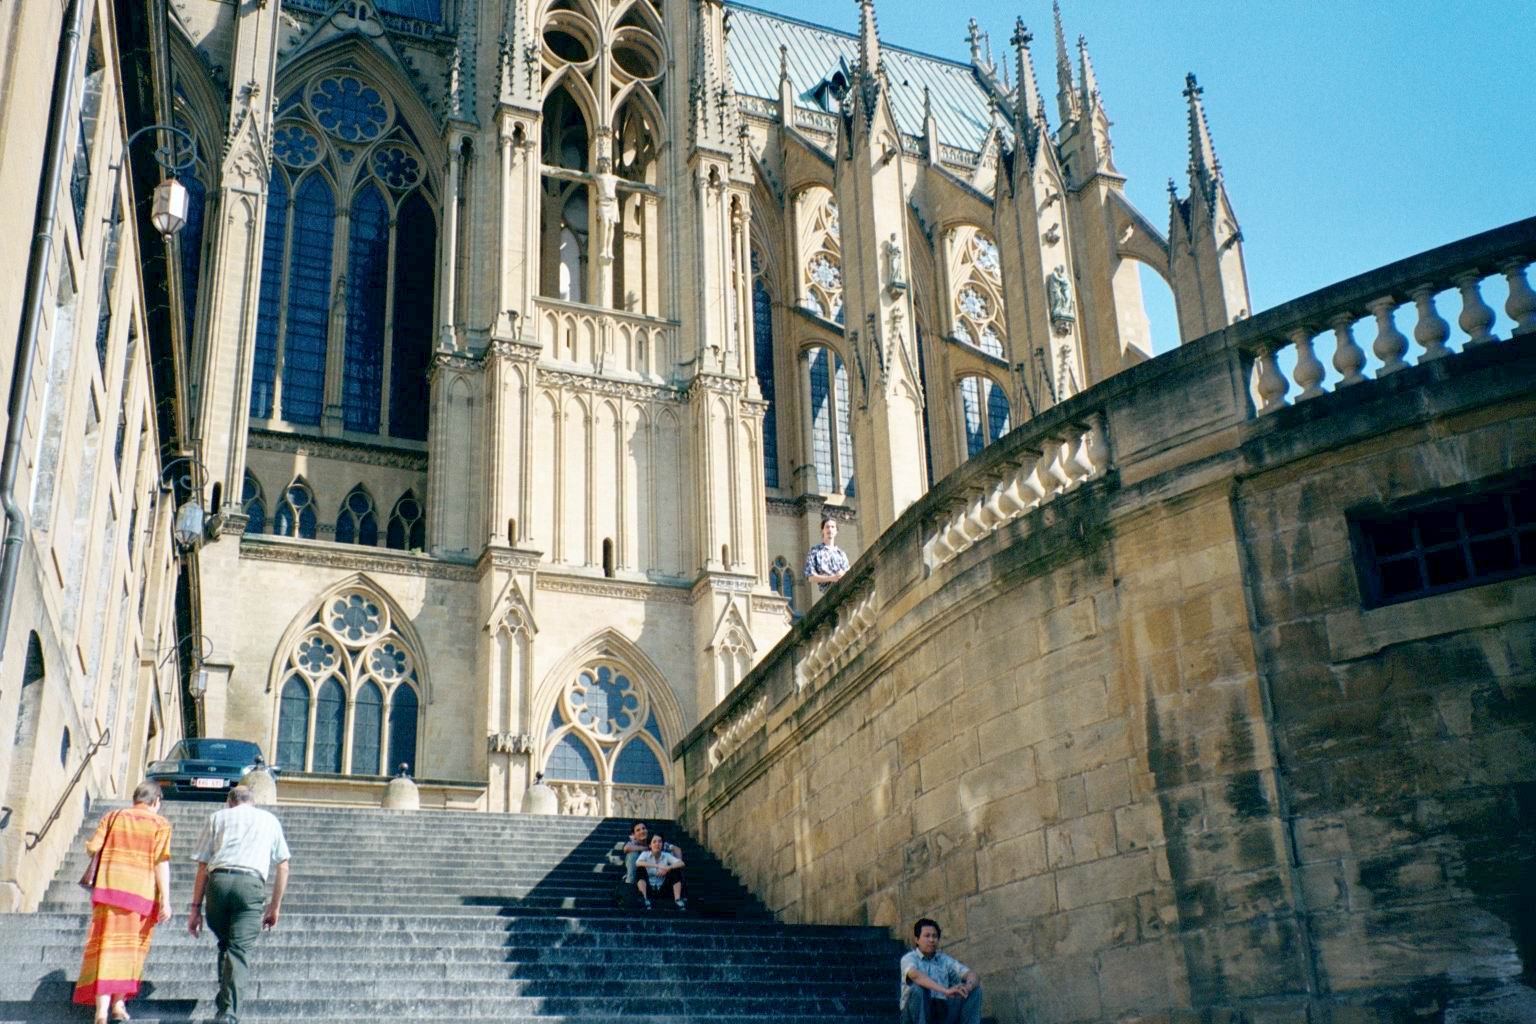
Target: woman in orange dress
[{"x": 130, "y": 893}]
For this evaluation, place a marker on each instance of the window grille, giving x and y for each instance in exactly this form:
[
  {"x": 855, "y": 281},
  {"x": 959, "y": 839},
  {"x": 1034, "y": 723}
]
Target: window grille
[{"x": 1448, "y": 545}]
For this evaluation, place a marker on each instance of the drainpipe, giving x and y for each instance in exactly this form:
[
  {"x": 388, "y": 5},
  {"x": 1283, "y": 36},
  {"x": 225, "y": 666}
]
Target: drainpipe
[{"x": 49, "y": 186}]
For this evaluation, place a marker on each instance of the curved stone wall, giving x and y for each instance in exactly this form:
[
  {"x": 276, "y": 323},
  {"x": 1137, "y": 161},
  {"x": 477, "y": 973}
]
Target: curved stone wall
[{"x": 1112, "y": 704}]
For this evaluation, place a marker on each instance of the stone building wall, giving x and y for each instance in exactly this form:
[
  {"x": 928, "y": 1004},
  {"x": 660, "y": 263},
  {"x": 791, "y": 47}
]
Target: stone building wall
[{"x": 1138, "y": 748}]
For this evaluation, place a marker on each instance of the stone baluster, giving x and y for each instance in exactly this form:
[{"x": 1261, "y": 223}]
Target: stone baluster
[
  {"x": 1431, "y": 331},
  {"x": 1030, "y": 478},
  {"x": 1269, "y": 382},
  {"x": 1096, "y": 444},
  {"x": 1390, "y": 344},
  {"x": 1059, "y": 451},
  {"x": 1309, "y": 368},
  {"x": 1521, "y": 305},
  {"x": 1348, "y": 357},
  {"x": 1476, "y": 315},
  {"x": 1082, "y": 464}
]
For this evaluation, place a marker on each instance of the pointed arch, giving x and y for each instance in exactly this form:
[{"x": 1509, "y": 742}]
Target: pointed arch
[
  {"x": 399, "y": 622},
  {"x": 614, "y": 646},
  {"x": 357, "y": 521},
  {"x": 576, "y": 87},
  {"x": 296, "y": 514}
]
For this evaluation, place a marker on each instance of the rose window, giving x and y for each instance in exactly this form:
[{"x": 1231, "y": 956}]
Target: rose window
[
  {"x": 604, "y": 701},
  {"x": 399, "y": 168},
  {"x": 349, "y": 110},
  {"x": 316, "y": 655},
  {"x": 973, "y": 304},
  {"x": 356, "y": 617},
  {"x": 986, "y": 255},
  {"x": 389, "y": 662},
  {"x": 295, "y": 146}
]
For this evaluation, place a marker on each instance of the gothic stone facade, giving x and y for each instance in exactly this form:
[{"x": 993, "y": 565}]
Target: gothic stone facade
[{"x": 531, "y": 341}]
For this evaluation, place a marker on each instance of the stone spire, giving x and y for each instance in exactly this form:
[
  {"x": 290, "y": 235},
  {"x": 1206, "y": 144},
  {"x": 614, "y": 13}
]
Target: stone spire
[
  {"x": 1026, "y": 98},
  {"x": 709, "y": 91},
  {"x": 973, "y": 39},
  {"x": 1066, "y": 91},
  {"x": 1091, "y": 99},
  {"x": 1204, "y": 168},
  {"x": 868, "y": 73}
]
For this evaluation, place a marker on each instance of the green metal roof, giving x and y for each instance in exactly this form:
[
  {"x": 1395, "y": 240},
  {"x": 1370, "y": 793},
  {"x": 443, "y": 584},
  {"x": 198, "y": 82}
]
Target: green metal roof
[{"x": 815, "y": 53}]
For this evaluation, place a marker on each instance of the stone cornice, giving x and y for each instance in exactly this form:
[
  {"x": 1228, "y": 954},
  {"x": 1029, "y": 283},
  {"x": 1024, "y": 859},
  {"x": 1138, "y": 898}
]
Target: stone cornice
[
  {"x": 724, "y": 583},
  {"x": 353, "y": 557},
  {"x": 652, "y": 592},
  {"x": 634, "y": 390},
  {"x": 813, "y": 504},
  {"x": 339, "y": 450},
  {"x": 716, "y": 383},
  {"x": 497, "y": 557}
]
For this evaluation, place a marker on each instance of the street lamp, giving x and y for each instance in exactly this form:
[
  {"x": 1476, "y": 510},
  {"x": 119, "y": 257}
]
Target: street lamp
[
  {"x": 191, "y": 522},
  {"x": 168, "y": 211}
]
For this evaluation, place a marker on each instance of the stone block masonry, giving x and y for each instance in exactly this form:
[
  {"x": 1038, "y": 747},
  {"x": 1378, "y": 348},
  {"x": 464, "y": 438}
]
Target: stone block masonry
[{"x": 1141, "y": 747}]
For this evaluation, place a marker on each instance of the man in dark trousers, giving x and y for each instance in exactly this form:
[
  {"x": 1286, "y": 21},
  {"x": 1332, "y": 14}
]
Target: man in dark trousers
[
  {"x": 238, "y": 847},
  {"x": 935, "y": 987}
]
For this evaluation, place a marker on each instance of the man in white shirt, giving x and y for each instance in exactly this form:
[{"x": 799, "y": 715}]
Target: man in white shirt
[
  {"x": 661, "y": 868},
  {"x": 238, "y": 847},
  {"x": 935, "y": 987}
]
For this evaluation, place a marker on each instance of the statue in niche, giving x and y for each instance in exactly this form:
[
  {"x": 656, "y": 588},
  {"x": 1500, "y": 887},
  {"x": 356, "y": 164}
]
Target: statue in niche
[
  {"x": 1060, "y": 291},
  {"x": 896, "y": 266}
]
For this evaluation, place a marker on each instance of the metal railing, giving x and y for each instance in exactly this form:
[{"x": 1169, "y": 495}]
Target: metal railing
[{"x": 35, "y": 838}]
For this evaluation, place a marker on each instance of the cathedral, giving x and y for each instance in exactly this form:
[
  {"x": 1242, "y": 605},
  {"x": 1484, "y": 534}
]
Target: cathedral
[{"x": 521, "y": 348}]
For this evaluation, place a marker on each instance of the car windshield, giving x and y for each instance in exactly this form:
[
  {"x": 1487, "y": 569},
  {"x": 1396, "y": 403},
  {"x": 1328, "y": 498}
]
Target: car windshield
[{"x": 232, "y": 751}]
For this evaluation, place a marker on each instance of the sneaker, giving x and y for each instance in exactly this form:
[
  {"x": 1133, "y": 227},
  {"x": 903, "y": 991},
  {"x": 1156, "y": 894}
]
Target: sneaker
[
  {"x": 682, "y": 904},
  {"x": 647, "y": 904}
]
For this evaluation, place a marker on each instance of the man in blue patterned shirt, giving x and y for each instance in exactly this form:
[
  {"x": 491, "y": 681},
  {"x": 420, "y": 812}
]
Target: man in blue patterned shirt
[
  {"x": 935, "y": 987},
  {"x": 826, "y": 563}
]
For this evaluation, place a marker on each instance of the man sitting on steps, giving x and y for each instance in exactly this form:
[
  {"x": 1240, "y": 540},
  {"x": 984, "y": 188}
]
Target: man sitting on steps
[
  {"x": 661, "y": 869},
  {"x": 935, "y": 987}
]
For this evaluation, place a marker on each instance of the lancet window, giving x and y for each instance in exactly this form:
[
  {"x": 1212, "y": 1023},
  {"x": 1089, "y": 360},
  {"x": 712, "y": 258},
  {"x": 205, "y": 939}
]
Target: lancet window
[
  {"x": 253, "y": 504},
  {"x": 984, "y": 412},
  {"x": 831, "y": 434},
  {"x": 978, "y": 293},
  {"x": 603, "y": 746},
  {"x": 349, "y": 700},
  {"x": 821, "y": 281},
  {"x": 601, "y": 198},
  {"x": 347, "y": 168},
  {"x": 357, "y": 523},
  {"x": 295, "y": 515},
  {"x": 407, "y": 530},
  {"x": 92, "y": 86},
  {"x": 762, "y": 342},
  {"x": 781, "y": 580}
]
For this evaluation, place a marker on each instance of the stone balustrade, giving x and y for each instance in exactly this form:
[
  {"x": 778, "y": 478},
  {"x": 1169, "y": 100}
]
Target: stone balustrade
[
  {"x": 605, "y": 340},
  {"x": 1372, "y": 303},
  {"x": 1103, "y": 680}
]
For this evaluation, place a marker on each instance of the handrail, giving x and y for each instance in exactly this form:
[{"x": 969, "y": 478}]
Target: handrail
[{"x": 34, "y": 838}]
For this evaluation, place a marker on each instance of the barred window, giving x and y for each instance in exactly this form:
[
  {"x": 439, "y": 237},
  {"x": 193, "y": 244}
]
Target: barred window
[{"x": 1448, "y": 545}]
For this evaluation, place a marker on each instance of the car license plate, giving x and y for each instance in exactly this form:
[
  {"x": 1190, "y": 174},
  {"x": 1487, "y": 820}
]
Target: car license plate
[{"x": 209, "y": 783}]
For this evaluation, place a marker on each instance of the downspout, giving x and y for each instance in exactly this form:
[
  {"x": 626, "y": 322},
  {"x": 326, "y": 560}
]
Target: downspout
[{"x": 49, "y": 186}]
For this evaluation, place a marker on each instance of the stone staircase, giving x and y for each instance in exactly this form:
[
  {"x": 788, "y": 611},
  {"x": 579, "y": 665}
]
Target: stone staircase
[{"x": 441, "y": 916}]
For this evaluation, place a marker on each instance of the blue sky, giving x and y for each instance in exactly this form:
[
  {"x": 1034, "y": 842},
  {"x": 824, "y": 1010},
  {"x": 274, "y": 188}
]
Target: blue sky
[{"x": 1352, "y": 133}]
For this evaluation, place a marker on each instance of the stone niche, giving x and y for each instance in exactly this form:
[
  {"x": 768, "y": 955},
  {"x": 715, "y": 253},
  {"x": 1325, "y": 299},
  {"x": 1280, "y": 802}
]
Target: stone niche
[{"x": 1142, "y": 749}]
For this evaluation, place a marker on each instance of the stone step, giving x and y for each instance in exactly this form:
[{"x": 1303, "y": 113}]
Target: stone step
[
  {"x": 150, "y": 1012},
  {"x": 300, "y": 1002}
]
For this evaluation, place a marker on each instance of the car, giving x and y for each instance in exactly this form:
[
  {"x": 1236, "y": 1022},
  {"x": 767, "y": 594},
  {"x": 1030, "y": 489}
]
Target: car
[{"x": 205, "y": 768}]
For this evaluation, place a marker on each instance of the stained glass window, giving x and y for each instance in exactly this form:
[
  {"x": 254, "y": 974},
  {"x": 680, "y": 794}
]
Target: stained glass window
[
  {"x": 415, "y": 249},
  {"x": 191, "y": 240},
  {"x": 844, "y": 430},
  {"x": 984, "y": 408},
  {"x": 367, "y": 727},
  {"x": 269, "y": 307},
  {"x": 420, "y": 10},
  {"x": 402, "y": 729},
  {"x": 309, "y": 302},
  {"x": 330, "y": 726},
  {"x": 293, "y": 724},
  {"x": 367, "y": 277},
  {"x": 637, "y": 766},
  {"x": 349, "y": 109},
  {"x": 762, "y": 333},
  {"x": 821, "y": 419},
  {"x": 571, "y": 760}
]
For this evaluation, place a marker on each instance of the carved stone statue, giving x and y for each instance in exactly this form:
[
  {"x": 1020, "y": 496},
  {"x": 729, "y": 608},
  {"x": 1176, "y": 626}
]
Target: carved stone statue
[
  {"x": 1060, "y": 291},
  {"x": 578, "y": 801},
  {"x": 607, "y": 211},
  {"x": 895, "y": 261}
]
